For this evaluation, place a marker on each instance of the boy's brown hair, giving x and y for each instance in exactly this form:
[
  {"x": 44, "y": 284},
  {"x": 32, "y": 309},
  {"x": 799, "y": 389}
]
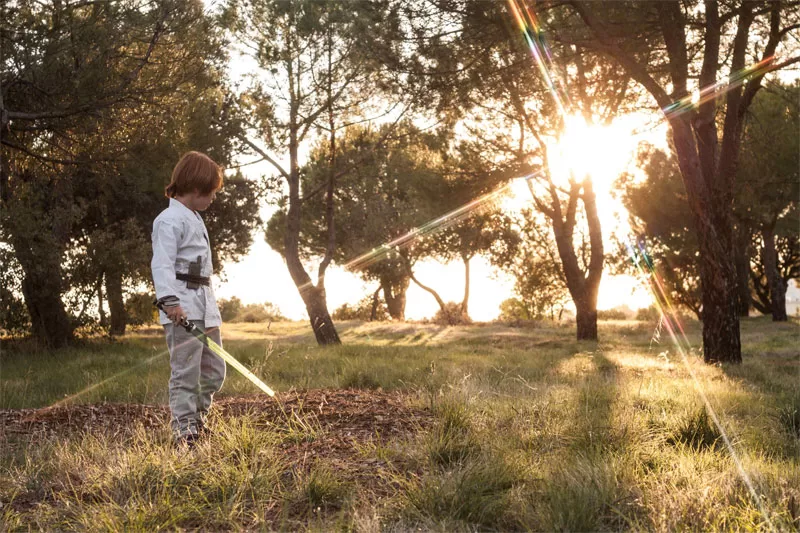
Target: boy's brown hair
[{"x": 194, "y": 172}]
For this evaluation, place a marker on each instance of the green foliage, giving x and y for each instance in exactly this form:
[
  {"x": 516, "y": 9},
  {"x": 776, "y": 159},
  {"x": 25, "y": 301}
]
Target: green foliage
[
  {"x": 139, "y": 309},
  {"x": 79, "y": 215},
  {"x": 539, "y": 283},
  {"x": 362, "y": 310},
  {"x": 229, "y": 308},
  {"x": 648, "y": 314},
  {"x": 452, "y": 315},
  {"x": 232, "y": 310},
  {"x": 14, "y": 318}
]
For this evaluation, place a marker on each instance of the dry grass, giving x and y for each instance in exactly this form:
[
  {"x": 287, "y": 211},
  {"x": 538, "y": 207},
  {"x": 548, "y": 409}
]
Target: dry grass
[{"x": 530, "y": 430}]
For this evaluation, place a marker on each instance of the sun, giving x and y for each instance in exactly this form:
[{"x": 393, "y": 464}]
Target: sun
[{"x": 601, "y": 152}]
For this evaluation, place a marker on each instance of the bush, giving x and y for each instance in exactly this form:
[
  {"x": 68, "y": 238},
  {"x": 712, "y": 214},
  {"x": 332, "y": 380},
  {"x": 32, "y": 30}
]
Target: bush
[
  {"x": 259, "y": 313},
  {"x": 140, "y": 310},
  {"x": 451, "y": 315},
  {"x": 514, "y": 309},
  {"x": 229, "y": 309},
  {"x": 648, "y": 314},
  {"x": 14, "y": 318},
  {"x": 234, "y": 311},
  {"x": 362, "y": 310},
  {"x": 622, "y": 312}
]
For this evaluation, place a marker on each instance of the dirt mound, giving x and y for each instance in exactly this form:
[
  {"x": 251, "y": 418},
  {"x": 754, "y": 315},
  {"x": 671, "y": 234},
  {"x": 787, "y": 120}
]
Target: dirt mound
[
  {"x": 355, "y": 413},
  {"x": 334, "y": 424}
]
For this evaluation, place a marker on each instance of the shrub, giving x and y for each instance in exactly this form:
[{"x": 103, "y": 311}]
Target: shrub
[
  {"x": 362, "y": 310},
  {"x": 622, "y": 312},
  {"x": 259, "y": 313},
  {"x": 140, "y": 310},
  {"x": 451, "y": 315},
  {"x": 648, "y": 314}
]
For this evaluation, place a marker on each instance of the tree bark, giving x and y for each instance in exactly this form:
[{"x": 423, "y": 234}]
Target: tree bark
[
  {"x": 116, "y": 304},
  {"x": 100, "y": 300},
  {"x": 742, "y": 260},
  {"x": 583, "y": 286},
  {"x": 718, "y": 279},
  {"x": 313, "y": 297},
  {"x": 777, "y": 287},
  {"x": 395, "y": 296},
  {"x": 586, "y": 320}
]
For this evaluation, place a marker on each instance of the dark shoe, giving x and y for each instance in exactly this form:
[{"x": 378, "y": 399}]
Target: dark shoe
[
  {"x": 203, "y": 431},
  {"x": 186, "y": 442}
]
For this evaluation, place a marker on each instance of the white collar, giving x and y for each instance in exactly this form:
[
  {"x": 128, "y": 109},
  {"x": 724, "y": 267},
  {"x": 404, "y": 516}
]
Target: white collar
[{"x": 176, "y": 204}]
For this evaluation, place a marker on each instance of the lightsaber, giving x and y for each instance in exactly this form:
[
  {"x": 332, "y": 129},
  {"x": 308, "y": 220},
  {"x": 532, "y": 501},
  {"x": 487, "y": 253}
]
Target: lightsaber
[{"x": 217, "y": 349}]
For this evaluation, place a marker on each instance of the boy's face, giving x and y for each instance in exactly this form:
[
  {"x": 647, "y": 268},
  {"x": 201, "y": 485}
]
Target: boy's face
[{"x": 202, "y": 201}]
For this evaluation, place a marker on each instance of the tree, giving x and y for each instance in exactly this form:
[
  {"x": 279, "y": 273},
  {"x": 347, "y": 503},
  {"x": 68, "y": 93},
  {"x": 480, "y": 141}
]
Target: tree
[
  {"x": 386, "y": 177},
  {"x": 768, "y": 189},
  {"x": 660, "y": 217},
  {"x": 505, "y": 103},
  {"x": 322, "y": 66},
  {"x": 79, "y": 78},
  {"x": 663, "y": 45},
  {"x": 469, "y": 174},
  {"x": 532, "y": 260},
  {"x": 765, "y": 203}
]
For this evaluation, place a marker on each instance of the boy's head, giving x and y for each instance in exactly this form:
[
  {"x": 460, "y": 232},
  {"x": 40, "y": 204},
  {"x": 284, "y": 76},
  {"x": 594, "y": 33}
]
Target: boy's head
[{"x": 195, "y": 173}]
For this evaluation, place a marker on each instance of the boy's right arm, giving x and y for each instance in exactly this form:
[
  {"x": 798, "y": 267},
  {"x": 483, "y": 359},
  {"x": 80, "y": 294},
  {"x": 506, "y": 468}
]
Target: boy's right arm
[{"x": 166, "y": 236}]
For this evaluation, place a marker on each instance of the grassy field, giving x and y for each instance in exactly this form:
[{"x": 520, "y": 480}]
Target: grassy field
[{"x": 409, "y": 426}]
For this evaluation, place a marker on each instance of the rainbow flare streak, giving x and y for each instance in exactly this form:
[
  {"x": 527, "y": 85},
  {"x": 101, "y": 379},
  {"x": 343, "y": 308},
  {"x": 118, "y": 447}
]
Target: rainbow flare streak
[
  {"x": 719, "y": 88},
  {"x": 646, "y": 269},
  {"x": 478, "y": 205},
  {"x": 534, "y": 36}
]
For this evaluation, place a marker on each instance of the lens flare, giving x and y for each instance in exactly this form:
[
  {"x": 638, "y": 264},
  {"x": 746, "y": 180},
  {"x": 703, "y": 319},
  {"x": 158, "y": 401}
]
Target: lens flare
[
  {"x": 472, "y": 208},
  {"x": 645, "y": 267},
  {"x": 534, "y": 36},
  {"x": 701, "y": 96}
]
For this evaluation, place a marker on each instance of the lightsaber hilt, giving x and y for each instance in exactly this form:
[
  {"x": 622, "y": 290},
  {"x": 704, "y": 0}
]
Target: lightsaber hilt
[{"x": 184, "y": 322}]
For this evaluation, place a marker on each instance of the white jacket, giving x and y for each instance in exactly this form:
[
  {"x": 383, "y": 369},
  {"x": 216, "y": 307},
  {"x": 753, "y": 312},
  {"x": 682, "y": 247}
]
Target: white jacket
[{"x": 179, "y": 237}]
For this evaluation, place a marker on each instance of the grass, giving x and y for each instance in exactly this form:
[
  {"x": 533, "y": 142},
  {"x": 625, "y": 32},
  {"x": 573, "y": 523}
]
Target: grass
[{"x": 531, "y": 430}]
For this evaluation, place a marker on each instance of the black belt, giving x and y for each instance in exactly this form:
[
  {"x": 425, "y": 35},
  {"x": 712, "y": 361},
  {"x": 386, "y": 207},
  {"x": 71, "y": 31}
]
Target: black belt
[{"x": 190, "y": 278}]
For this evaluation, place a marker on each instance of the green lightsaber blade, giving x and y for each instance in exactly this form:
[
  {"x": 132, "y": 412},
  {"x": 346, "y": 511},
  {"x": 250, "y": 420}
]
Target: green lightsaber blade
[{"x": 231, "y": 360}]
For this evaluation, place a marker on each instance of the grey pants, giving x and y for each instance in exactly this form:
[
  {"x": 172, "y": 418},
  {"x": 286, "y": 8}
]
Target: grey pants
[{"x": 197, "y": 373}]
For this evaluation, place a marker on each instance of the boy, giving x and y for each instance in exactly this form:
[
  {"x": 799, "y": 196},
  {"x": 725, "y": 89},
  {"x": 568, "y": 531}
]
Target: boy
[{"x": 181, "y": 270}]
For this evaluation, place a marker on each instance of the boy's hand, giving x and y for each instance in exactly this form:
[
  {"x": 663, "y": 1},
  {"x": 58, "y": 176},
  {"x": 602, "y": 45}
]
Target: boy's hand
[{"x": 175, "y": 313}]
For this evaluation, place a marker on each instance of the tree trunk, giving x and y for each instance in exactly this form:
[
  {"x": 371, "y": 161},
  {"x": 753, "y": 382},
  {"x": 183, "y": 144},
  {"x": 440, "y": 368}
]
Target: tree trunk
[
  {"x": 116, "y": 304},
  {"x": 718, "y": 280},
  {"x": 742, "y": 260},
  {"x": 41, "y": 288},
  {"x": 100, "y": 308},
  {"x": 777, "y": 287},
  {"x": 375, "y": 301},
  {"x": 583, "y": 286},
  {"x": 435, "y": 294},
  {"x": 465, "y": 301},
  {"x": 313, "y": 296},
  {"x": 395, "y": 296},
  {"x": 586, "y": 320}
]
